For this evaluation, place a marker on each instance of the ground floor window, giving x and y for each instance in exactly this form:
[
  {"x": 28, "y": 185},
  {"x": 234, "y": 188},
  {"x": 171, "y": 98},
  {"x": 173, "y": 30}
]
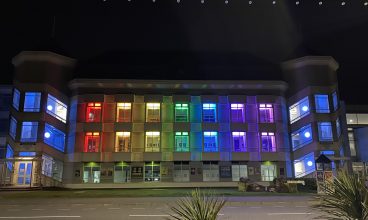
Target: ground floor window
[
  {"x": 239, "y": 171},
  {"x": 268, "y": 172},
  {"x": 181, "y": 171},
  {"x": 210, "y": 171},
  {"x": 122, "y": 172},
  {"x": 91, "y": 173},
  {"x": 304, "y": 165},
  {"x": 151, "y": 171}
]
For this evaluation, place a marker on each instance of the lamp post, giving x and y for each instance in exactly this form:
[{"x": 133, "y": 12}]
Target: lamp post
[{"x": 324, "y": 174}]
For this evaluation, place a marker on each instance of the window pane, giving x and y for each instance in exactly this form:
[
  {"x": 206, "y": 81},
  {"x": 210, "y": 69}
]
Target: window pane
[
  {"x": 322, "y": 105},
  {"x": 301, "y": 137},
  {"x": 338, "y": 127},
  {"x": 56, "y": 108},
  {"x": 266, "y": 113},
  {"x": 9, "y": 154},
  {"x": 122, "y": 143},
  {"x": 239, "y": 141},
  {"x": 54, "y": 137},
  {"x": 29, "y": 131},
  {"x": 209, "y": 112},
  {"x": 93, "y": 112},
  {"x": 268, "y": 142},
  {"x": 32, "y": 101},
  {"x": 124, "y": 112},
  {"x": 181, "y": 142},
  {"x": 304, "y": 165},
  {"x": 152, "y": 141},
  {"x": 13, "y": 127},
  {"x": 237, "y": 112},
  {"x": 335, "y": 101},
  {"x": 210, "y": 141},
  {"x": 351, "y": 118},
  {"x": 153, "y": 112},
  {"x": 181, "y": 112},
  {"x": 325, "y": 131},
  {"x": 299, "y": 110},
  {"x": 16, "y": 98},
  {"x": 92, "y": 142}
]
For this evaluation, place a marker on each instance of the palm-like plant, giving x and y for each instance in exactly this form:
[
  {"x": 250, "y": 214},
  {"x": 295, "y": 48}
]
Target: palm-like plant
[
  {"x": 198, "y": 206},
  {"x": 347, "y": 199}
]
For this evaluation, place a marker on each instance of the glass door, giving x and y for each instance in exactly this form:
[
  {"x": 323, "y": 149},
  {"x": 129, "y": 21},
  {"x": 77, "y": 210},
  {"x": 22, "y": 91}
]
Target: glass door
[
  {"x": 24, "y": 173},
  {"x": 268, "y": 172}
]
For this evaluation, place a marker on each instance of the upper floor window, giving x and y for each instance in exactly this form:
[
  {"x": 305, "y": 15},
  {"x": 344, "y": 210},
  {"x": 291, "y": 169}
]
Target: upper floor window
[
  {"x": 122, "y": 143},
  {"x": 124, "y": 112},
  {"x": 322, "y": 104},
  {"x": 181, "y": 142},
  {"x": 301, "y": 137},
  {"x": 16, "y": 98},
  {"x": 335, "y": 101},
  {"x": 239, "y": 141},
  {"x": 209, "y": 112},
  {"x": 152, "y": 141},
  {"x": 299, "y": 110},
  {"x": 181, "y": 112},
  {"x": 93, "y": 112},
  {"x": 13, "y": 127},
  {"x": 210, "y": 141},
  {"x": 153, "y": 112},
  {"x": 268, "y": 142},
  {"x": 325, "y": 131},
  {"x": 237, "y": 112},
  {"x": 32, "y": 101},
  {"x": 266, "y": 113},
  {"x": 54, "y": 137},
  {"x": 56, "y": 108},
  {"x": 338, "y": 127},
  {"x": 29, "y": 131},
  {"x": 92, "y": 142}
]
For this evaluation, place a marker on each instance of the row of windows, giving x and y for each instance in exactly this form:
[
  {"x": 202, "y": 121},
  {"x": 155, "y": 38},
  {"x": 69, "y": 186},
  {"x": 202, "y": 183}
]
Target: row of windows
[
  {"x": 32, "y": 103},
  {"x": 301, "y": 108},
  {"x": 181, "y": 112},
  {"x": 182, "y": 144}
]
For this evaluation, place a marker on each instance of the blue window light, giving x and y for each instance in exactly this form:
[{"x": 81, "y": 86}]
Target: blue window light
[
  {"x": 32, "y": 101},
  {"x": 325, "y": 131},
  {"x": 304, "y": 165},
  {"x": 328, "y": 152},
  {"x": 29, "y": 131},
  {"x": 209, "y": 112},
  {"x": 56, "y": 108},
  {"x": 54, "y": 137},
  {"x": 9, "y": 154},
  {"x": 13, "y": 127},
  {"x": 299, "y": 110},
  {"x": 302, "y": 137},
  {"x": 322, "y": 104},
  {"x": 210, "y": 141},
  {"x": 27, "y": 154},
  {"x": 338, "y": 128},
  {"x": 335, "y": 101},
  {"x": 16, "y": 98}
]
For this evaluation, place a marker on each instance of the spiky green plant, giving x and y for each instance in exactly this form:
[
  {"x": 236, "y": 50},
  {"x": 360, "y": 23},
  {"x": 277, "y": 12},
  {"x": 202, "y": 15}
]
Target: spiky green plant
[
  {"x": 198, "y": 206},
  {"x": 347, "y": 199}
]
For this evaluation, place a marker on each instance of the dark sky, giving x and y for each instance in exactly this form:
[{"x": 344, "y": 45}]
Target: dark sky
[{"x": 190, "y": 40}]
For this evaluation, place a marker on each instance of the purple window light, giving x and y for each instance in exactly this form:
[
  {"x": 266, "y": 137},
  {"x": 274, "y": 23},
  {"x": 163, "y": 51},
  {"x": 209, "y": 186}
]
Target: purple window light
[
  {"x": 266, "y": 113},
  {"x": 268, "y": 142}
]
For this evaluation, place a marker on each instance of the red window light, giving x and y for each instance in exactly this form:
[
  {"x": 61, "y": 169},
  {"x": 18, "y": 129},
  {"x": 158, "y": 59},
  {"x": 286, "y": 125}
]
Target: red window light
[
  {"x": 92, "y": 142},
  {"x": 93, "y": 112}
]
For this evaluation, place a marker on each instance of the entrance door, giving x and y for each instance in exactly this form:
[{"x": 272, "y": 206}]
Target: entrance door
[
  {"x": 24, "y": 173},
  {"x": 268, "y": 172}
]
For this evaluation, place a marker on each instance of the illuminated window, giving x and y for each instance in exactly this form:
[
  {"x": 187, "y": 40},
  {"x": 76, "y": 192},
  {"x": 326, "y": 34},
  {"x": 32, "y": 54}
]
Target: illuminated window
[
  {"x": 322, "y": 105},
  {"x": 152, "y": 141},
  {"x": 124, "y": 112},
  {"x": 338, "y": 127},
  {"x": 299, "y": 110},
  {"x": 47, "y": 165},
  {"x": 266, "y": 113},
  {"x": 13, "y": 127},
  {"x": 27, "y": 154},
  {"x": 181, "y": 142},
  {"x": 92, "y": 142},
  {"x": 335, "y": 101},
  {"x": 301, "y": 137},
  {"x": 9, "y": 154},
  {"x": 209, "y": 112},
  {"x": 54, "y": 137},
  {"x": 210, "y": 141},
  {"x": 16, "y": 98},
  {"x": 32, "y": 101},
  {"x": 153, "y": 112},
  {"x": 152, "y": 171},
  {"x": 268, "y": 142},
  {"x": 56, "y": 108},
  {"x": 239, "y": 141},
  {"x": 181, "y": 112},
  {"x": 29, "y": 131},
  {"x": 237, "y": 112},
  {"x": 325, "y": 131},
  {"x": 304, "y": 165},
  {"x": 352, "y": 147},
  {"x": 122, "y": 143},
  {"x": 93, "y": 112}
]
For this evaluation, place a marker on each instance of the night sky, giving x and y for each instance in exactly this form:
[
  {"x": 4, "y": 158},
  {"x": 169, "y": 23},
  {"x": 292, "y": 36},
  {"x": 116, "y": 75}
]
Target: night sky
[{"x": 166, "y": 40}]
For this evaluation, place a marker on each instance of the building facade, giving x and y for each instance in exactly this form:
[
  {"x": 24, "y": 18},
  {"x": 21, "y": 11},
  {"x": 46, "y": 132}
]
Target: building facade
[{"x": 66, "y": 131}]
